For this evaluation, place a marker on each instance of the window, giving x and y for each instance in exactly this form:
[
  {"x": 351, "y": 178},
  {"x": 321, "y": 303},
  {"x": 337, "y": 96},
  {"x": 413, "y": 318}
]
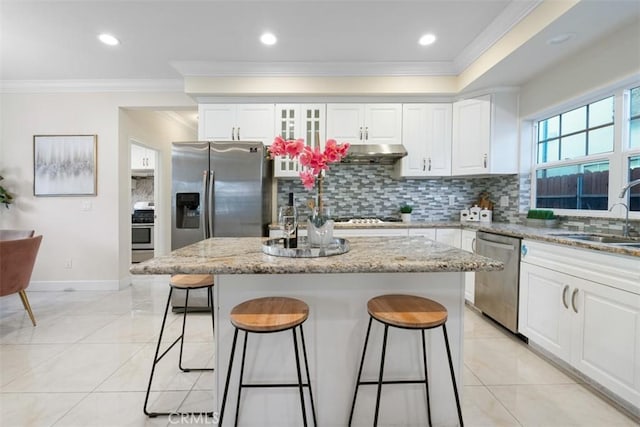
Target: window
[
  {"x": 634, "y": 118},
  {"x": 572, "y": 169},
  {"x": 634, "y": 192}
]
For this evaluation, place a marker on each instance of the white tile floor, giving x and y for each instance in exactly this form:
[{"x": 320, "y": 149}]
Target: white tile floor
[{"x": 87, "y": 364}]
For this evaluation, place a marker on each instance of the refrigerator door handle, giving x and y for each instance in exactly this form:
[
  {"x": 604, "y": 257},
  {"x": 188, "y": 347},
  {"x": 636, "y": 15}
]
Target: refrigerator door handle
[
  {"x": 210, "y": 203},
  {"x": 204, "y": 217}
]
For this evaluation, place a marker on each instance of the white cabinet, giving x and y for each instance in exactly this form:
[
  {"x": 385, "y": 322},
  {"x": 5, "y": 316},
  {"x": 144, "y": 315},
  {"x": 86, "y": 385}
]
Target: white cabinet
[
  {"x": 485, "y": 135},
  {"x": 468, "y": 243},
  {"x": 295, "y": 121},
  {"x": 425, "y": 232},
  {"x": 142, "y": 158},
  {"x": 365, "y": 123},
  {"x": 236, "y": 122},
  {"x": 372, "y": 232},
  {"x": 426, "y": 134},
  {"x": 449, "y": 236},
  {"x": 584, "y": 307}
]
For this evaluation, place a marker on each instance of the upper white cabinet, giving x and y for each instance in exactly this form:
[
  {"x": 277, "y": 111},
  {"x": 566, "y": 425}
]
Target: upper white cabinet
[
  {"x": 584, "y": 307},
  {"x": 365, "y": 123},
  {"x": 485, "y": 135},
  {"x": 426, "y": 134},
  {"x": 236, "y": 122},
  {"x": 142, "y": 158},
  {"x": 295, "y": 121}
]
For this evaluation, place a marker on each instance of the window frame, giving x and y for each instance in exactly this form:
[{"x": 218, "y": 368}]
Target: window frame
[{"x": 618, "y": 158}]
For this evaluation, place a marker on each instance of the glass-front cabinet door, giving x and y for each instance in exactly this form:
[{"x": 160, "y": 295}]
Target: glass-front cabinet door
[{"x": 295, "y": 121}]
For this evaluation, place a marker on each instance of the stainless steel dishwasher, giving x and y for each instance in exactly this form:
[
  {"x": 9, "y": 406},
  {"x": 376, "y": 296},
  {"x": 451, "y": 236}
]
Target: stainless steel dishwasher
[{"x": 496, "y": 293}]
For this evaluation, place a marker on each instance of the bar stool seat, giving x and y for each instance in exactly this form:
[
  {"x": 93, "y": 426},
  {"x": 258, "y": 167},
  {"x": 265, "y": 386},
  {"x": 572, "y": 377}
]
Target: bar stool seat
[
  {"x": 406, "y": 312},
  {"x": 263, "y": 316},
  {"x": 186, "y": 282}
]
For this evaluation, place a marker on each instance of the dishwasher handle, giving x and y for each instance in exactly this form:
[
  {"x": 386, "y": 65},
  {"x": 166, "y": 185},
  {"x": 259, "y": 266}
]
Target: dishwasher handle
[{"x": 505, "y": 246}]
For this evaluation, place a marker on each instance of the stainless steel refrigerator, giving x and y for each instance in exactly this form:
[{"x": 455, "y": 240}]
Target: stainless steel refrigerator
[{"x": 219, "y": 189}]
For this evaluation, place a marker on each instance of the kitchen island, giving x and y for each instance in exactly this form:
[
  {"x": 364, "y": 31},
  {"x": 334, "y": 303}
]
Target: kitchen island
[{"x": 336, "y": 289}]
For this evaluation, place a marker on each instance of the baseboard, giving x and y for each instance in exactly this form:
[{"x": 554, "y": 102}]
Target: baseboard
[{"x": 75, "y": 285}]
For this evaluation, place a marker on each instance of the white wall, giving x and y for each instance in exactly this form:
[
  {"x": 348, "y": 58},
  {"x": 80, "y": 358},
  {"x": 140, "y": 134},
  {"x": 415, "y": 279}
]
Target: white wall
[
  {"x": 612, "y": 60},
  {"x": 97, "y": 240}
]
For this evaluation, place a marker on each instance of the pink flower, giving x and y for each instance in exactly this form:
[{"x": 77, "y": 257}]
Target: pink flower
[
  {"x": 294, "y": 148},
  {"x": 277, "y": 148},
  {"x": 308, "y": 179}
]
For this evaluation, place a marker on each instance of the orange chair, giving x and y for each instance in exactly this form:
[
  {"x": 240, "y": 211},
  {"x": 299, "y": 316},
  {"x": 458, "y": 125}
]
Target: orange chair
[{"x": 17, "y": 257}]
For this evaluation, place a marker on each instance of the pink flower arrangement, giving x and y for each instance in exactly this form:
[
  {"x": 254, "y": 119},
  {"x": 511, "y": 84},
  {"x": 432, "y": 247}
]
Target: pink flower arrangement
[{"x": 314, "y": 160}]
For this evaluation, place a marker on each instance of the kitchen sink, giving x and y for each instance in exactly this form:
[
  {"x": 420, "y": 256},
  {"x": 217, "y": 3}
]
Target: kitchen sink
[{"x": 599, "y": 238}]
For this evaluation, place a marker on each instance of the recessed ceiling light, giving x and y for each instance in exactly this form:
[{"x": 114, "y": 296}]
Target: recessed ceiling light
[
  {"x": 108, "y": 39},
  {"x": 427, "y": 39},
  {"x": 268, "y": 39},
  {"x": 560, "y": 38}
]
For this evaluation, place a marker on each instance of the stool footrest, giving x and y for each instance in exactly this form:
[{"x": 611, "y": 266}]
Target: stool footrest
[
  {"x": 273, "y": 385},
  {"x": 393, "y": 382},
  {"x": 196, "y": 369},
  {"x": 166, "y": 414}
]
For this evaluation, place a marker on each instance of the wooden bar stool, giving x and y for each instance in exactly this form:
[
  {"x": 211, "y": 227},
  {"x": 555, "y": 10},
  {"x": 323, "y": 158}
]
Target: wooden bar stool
[
  {"x": 186, "y": 282},
  {"x": 406, "y": 312},
  {"x": 264, "y": 316}
]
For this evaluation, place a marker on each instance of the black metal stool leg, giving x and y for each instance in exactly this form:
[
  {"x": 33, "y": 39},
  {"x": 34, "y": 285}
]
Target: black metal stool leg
[
  {"x": 306, "y": 364},
  {"x": 155, "y": 357},
  {"x": 426, "y": 375},
  {"x": 213, "y": 311},
  {"x": 453, "y": 377},
  {"x": 364, "y": 351},
  {"x": 295, "y": 348},
  {"x": 384, "y": 351},
  {"x": 244, "y": 353},
  {"x": 226, "y": 384},
  {"x": 184, "y": 324}
]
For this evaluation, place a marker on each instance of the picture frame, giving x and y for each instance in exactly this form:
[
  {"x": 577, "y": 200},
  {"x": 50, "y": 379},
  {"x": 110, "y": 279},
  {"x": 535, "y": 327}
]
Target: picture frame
[{"x": 65, "y": 165}]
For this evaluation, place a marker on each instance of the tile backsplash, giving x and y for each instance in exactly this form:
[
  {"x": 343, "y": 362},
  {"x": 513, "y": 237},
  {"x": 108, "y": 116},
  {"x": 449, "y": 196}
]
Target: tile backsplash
[
  {"x": 370, "y": 190},
  {"x": 141, "y": 190}
]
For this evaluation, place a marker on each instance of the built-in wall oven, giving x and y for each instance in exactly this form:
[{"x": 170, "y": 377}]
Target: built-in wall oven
[
  {"x": 142, "y": 229},
  {"x": 497, "y": 292}
]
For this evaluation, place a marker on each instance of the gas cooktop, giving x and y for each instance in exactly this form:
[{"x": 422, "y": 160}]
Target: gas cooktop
[{"x": 367, "y": 220}]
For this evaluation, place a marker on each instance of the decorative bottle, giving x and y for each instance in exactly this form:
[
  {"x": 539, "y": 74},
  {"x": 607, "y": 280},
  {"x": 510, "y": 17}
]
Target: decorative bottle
[{"x": 293, "y": 240}]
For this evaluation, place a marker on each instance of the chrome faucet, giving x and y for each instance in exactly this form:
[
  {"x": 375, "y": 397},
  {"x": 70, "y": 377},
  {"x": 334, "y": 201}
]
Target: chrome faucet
[
  {"x": 625, "y": 227},
  {"x": 628, "y": 186}
]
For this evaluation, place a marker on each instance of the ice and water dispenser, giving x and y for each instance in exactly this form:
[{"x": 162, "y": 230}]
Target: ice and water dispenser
[{"x": 187, "y": 210}]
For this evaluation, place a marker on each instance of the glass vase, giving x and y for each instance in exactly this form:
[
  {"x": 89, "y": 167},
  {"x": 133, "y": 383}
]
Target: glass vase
[{"x": 320, "y": 227}]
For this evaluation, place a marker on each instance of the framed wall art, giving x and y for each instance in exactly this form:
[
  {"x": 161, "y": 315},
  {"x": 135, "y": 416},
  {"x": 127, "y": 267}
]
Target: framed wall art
[{"x": 65, "y": 165}]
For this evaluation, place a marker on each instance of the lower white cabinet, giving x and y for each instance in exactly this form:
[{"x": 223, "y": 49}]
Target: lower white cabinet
[
  {"x": 468, "y": 243},
  {"x": 593, "y": 326},
  {"x": 370, "y": 232}
]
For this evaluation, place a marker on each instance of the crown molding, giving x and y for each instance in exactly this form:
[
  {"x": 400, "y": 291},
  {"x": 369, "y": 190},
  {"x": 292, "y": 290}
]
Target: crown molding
[
  {"x": 111, "y": 85},
  {"x": 312, "y": 69},
  {"x": 514, "y": 13}
]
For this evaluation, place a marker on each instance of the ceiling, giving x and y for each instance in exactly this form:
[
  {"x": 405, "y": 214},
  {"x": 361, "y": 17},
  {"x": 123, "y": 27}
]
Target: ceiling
[{"x": 57, "y": 40}]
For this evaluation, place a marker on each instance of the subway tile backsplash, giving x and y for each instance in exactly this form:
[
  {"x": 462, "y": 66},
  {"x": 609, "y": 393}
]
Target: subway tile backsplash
[{"x": 370, "y": 190}]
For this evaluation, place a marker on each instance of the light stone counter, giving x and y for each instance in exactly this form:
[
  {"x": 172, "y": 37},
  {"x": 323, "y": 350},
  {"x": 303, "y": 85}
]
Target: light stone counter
[
  {"x": 336, "y": 289},
  {"x": 243, "y": 255}
]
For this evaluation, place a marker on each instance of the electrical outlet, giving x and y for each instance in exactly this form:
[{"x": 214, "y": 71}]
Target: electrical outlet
[
  {"x": 68, "y": 263},
  {"x": 504, "y": 201},
  {"x": 452, "y": 200},
  {"x": 86, "y": 206}
]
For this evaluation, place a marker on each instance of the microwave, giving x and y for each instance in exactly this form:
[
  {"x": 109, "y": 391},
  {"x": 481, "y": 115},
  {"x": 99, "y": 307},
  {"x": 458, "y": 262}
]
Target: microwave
[{"x": 141, "y": 236}]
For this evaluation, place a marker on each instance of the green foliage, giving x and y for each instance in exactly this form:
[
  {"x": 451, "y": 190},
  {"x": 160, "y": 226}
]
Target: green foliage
[
  {"x": 5, "y": 196},
  {"x": 406, "y": 209},
  {"x": 540, "y": 214}
]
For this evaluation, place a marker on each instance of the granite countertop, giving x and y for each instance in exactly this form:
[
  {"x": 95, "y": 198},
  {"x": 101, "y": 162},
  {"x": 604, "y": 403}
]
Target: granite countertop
[
  {"x": 550, "y": 235},
  {"x": 243, "y": 255}
]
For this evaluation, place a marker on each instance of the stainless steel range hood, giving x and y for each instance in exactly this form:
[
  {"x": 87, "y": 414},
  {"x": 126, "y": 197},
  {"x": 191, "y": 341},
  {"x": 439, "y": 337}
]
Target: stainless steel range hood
[{"x": 385, "y": 154}]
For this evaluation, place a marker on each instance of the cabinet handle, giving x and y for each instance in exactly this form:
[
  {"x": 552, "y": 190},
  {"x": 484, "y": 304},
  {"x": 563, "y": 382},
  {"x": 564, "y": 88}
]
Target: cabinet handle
[
  {"x": 564, "y": 296},
  {"x": 238, "y": 133},
  {"x": 366, "y": 133},
  {"x": 233, "y": 133},
  {"x": 429, "y": 164},
  {"x": 484, "y": 161},
  {"x": 573, "y": 300},
  {"x": 424, "y": 164},
  {"x": 473, "y": 245},
  {"x": 361, "y": 133}
]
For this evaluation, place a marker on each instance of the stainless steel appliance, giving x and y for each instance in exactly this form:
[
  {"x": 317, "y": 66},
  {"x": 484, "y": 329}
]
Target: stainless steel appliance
[
  {"x": 219, "y": 189},
  {"x": 496, "y": 293},
  {"x": 142, "y": 229}
]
